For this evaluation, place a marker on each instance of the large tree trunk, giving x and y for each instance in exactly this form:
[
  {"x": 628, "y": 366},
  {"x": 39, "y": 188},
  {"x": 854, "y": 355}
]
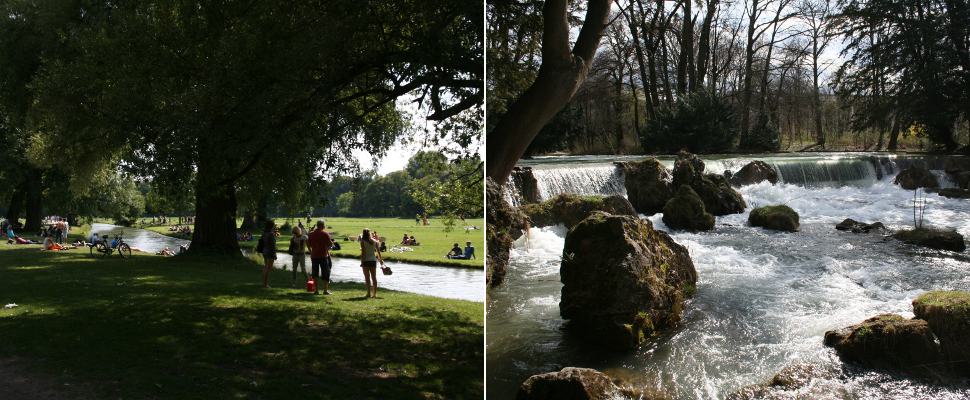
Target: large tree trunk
[
  {"x": 748, "y": 62},
  {"x": 34, "y": 200},
  {"x": 16, "y": 206},
  {"x": 816, "y": 101},
  {"x": 685, "y": 60},
  {"x": 561, "y": 74},
  {"x": 894, "y": 135},
  {"x": 215, "y": 214}
]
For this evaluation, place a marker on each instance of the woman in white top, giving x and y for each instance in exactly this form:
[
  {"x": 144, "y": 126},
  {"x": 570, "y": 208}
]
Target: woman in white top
[
  {"x": 369, "y": 256},
  {"x": 298, "y": 249}
]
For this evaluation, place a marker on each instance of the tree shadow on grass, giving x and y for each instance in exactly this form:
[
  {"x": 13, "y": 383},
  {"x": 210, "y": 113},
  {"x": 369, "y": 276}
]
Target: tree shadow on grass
[{"x": 199, "y": 331}]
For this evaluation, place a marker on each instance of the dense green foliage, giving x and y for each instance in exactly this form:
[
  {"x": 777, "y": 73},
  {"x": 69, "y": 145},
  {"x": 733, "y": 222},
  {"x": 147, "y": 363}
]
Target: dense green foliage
[
  {"x": 908, "y": 63},
  {"x": 238, "y": 101},
  {"x": 177, "y": 328},
  {"x": 700, "y": 123}
]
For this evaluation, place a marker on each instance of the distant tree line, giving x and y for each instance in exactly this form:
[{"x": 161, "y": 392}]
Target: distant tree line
[{"x": 755, "y": 75}]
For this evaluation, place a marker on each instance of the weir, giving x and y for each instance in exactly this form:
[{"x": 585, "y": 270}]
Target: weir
[{"x": 601, "y": 176}]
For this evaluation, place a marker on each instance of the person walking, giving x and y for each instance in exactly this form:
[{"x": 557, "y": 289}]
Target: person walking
[
  {"x": 268, "y": 244},
  {"x": 369, "y": 256},
  {"x": 320, "y": 242},
  {"x": 298, "y": 245}
]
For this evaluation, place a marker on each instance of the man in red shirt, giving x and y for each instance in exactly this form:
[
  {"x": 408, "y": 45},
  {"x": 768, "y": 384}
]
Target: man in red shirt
[{"x": 319, "y": 243}]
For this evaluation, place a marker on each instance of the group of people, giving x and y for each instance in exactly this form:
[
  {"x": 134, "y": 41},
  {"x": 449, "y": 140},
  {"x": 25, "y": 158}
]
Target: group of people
[
  {"x": 57, "y": 228},
  {"x": 182, "y": 229},
  {"x": 457, "y": 253},
  {"x": 12, "y": 238},
  {"x": 409, "y": 241},
  {"x": 319, "y": 242}
]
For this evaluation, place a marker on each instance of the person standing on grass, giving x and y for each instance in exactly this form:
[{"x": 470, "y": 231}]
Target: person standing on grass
[
  {"x": 298, "y": 249},
  {"x": 320, "y": 242},
  {"x": 268, "y": 240},
  {"x": 370, "y": 254}
]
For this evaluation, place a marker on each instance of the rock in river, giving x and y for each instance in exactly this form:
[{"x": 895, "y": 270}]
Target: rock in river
[
  {"x": 623, "y": 280},
  {"x": 504, "y": 224},
  {"x": 778, "y": 217},
  {"x": 939, "y": 239},
  {"x": 754, "y": 172},
  {"x": 854, "y": 226},
  {"x": 916, "y": 177},
  {"x": 570, "y": 384},
  {"x": 570, "y": 209},
  {"x": 686, "y": 211},
  {"x": 888, "y": 341},
  {"x": 948, "y": 315},
  {"x": 648, "y": 185}
]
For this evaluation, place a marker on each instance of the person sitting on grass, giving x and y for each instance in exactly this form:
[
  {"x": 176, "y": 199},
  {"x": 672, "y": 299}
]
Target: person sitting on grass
[
  {"x": 49, "y": 244},
  {"x": 455, "y": 252},
  {"x": 405, "y": 240},
  {"x": 469, "y": 251},
  {"x": 412, "y": 241},
  {"x": 167, "y": 252}
]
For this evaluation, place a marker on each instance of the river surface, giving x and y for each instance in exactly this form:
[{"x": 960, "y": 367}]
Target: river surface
[
  {"x": 764, "y": 299},
  {"x": 447, "y": 282}
]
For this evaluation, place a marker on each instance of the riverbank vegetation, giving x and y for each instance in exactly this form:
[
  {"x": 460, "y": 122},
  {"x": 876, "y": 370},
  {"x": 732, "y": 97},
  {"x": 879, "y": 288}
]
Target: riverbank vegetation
[
  {"x": 204, "y": 328},
  {"x": 715, "y": 76}
]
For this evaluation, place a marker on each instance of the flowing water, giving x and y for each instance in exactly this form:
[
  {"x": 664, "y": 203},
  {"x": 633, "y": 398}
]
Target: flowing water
[
  {"x": 764, "y": 299},
  {"x": 447, "y": 282}
]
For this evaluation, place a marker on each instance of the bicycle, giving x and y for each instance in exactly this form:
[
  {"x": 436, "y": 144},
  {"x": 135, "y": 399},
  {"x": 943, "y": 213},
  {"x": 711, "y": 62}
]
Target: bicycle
[{"x": 102, "y": 246}]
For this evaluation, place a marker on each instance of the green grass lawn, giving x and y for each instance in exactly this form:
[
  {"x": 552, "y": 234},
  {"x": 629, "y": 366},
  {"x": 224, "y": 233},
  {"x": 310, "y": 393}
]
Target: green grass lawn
[
  {"x": 434, "y": 241},
  {"x": 179, "y": 328}
]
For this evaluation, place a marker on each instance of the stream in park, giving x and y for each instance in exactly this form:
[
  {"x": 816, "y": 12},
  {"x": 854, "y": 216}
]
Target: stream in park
[
  {"x": 764, "y": 299},
  {"x": 446, "y": 282}
]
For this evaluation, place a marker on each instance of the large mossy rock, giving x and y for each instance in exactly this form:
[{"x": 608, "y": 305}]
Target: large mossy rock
[
  {"x": 954, "y": 193},
  {"x": 526, "y": 184},
  {"x": 503, "y": 224},
  {"x": 778, "y": 217},
  {"x": 570, "y": 209},
  {"x": 948, "y": 315},
  {"x": 686, "y": 211},
  {"x": 569, "y": 384},
  {"x": 916, "y": 177},
  {"x": 754, "y": 172},
  {"x": 889, "y": 341},
  {"x": 939, "y": 239},
  {"x": 648, "y": 185},
  {"x": 714, "y": 190},
  {"x": 622, "y": 280}
]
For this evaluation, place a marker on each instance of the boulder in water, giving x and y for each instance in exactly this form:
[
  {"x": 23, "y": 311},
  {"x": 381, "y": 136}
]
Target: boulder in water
[
  {"x": 687, "y": 169},
  {"x": 570, "y": 209},
  {"x": 526, "y": 183},
  {"x": 916, "y": 177},
  {"x": 623, "y": 280},
  {"x": 686, "y": 211},
  {"x": 504, "y": 224},
  {"x": 954, "y": 193},
  {"x": 854, "y": 226},
  {"x": 573, "y": 384},
  {"x": 778, "y": 217},
  {"x": 754, "y": 172},
  {"x": 810, "y": 381},
  {"x": 718, "y": 195},
  {"x": 888, "y": 341},
  {"x": 956, "y": 164},
  {"x": 648, "y": 185},
  {"x": 939, "y": 239},
  {"x": 714, "y": 190},
  {"x": 948, "y": 315},
  {"x": 961, "y": 179}
]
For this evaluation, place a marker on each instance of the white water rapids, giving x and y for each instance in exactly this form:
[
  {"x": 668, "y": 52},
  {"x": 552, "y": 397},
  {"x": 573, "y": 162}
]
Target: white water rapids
[{"x": 764, "y": 299}]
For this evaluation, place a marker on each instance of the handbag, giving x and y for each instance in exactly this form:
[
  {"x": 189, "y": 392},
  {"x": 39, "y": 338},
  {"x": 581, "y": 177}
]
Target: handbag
[{"x": 386, "y": 270}]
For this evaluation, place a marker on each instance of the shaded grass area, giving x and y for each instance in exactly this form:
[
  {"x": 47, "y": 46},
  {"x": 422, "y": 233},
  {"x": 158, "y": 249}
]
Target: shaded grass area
[
  {"x": 434, "y": 241},
  {"x": 154, "y": 327}
]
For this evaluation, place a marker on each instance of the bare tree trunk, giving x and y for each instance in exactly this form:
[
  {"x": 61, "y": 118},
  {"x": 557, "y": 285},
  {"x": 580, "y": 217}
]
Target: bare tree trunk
[
  {"x": 34, "y": 200},
  {"x": 685, "y": 59},
  {"x": 894, "y": 134},
  {"x": 748, "y": 62},
  {"x": 560, "y": 75},
  {"x": 704, "y": 43},
  {"x": 16, "y": 206}
]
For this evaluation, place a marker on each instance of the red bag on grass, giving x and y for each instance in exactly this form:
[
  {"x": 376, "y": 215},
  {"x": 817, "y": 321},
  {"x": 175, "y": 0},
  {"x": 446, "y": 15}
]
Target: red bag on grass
[{"x": 311, "y": 285}]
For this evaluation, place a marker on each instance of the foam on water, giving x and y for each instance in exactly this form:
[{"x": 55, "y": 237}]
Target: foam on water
[{"x": 764, "y": 298}]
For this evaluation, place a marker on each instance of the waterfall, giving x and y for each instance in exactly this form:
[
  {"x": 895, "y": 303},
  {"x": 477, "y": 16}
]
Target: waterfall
[{"x": 583, "y": 179}]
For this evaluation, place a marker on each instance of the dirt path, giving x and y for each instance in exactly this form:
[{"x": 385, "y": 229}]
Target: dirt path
[{"x": 17, "y": 382}]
